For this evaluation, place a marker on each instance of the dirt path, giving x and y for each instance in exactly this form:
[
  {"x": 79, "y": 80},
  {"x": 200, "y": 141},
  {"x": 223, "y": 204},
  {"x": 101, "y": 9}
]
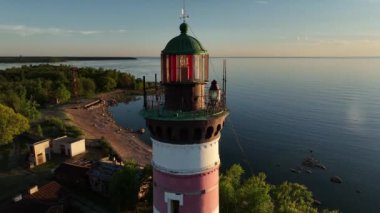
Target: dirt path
[{"x": 97, "y": 122}]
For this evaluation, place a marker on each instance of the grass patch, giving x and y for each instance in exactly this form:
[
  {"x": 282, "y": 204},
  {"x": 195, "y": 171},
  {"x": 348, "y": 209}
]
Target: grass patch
[
  {"x": 55, "y": 127},
  {"x": 54, "y": 162}
]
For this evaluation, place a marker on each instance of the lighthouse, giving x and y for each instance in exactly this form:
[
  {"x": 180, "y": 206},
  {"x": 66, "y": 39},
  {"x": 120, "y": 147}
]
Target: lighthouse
[{"x": 185, "y": 123}]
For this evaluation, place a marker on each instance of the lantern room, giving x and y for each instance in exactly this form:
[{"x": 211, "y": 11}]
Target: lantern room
[{"x": 184, "y": 60}]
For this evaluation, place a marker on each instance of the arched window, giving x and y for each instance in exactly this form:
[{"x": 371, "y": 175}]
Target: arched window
[
  {"x": 209, "y": 132},
  {"x": 218, "y": 128}
]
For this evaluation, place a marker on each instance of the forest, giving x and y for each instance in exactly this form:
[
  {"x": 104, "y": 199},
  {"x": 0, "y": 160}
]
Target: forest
[{"x": 27, "y": 89}]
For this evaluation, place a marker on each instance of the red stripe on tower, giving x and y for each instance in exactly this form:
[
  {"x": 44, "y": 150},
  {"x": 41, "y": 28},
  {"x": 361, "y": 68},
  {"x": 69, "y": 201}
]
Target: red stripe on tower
[{"x": 190, "y": 66}]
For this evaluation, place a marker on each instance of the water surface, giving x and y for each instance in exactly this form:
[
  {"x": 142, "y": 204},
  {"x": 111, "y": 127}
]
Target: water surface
[{"x": 282, "y": 109}]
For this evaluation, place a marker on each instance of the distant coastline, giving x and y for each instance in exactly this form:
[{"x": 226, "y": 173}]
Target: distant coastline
[{"x": 51, "y": 59}]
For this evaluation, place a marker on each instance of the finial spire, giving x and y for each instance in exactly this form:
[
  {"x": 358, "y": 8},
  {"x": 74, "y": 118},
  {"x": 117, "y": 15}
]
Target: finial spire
[{"x": 184, "y": 15}]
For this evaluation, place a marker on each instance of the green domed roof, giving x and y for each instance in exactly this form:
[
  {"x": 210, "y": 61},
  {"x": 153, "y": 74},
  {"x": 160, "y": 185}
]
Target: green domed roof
[{"x": 183, "y": 44}]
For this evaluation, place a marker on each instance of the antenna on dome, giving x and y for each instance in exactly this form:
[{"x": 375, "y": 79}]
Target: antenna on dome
[{"x": 184, "y": 15}]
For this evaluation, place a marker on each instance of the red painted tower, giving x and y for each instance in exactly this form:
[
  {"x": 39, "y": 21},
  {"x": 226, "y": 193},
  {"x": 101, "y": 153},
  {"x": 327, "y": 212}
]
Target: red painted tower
[{"x": 185, "y": 126}]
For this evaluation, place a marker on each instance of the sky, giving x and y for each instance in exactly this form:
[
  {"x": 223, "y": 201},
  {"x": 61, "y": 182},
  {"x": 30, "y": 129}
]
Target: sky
[{"x": 224, "y": 27}]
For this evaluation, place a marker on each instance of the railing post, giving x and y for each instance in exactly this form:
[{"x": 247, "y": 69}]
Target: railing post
[{"x": 144, "y": 88}]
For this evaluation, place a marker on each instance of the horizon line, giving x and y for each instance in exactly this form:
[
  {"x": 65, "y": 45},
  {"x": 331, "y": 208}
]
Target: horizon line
[{"x": 31, "y": 56}]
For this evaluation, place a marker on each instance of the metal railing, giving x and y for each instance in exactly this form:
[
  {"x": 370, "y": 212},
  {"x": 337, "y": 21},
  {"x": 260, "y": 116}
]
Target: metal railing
[{"x": 155, "y": 109}]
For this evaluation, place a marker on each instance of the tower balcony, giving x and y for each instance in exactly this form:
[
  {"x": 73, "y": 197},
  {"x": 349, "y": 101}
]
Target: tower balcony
[{"x": 155, "y": 109}]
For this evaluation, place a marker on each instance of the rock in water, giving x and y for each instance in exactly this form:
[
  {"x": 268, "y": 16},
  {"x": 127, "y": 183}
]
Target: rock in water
[
  {"x": 313, "y": 163},
  {"x": 336, "y": 179},
  {"x": 321, "y": 166},
  {"x": 317, "y": 202}
]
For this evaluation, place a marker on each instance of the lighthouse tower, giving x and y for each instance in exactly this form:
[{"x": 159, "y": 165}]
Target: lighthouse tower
[{"x": 185, "y": 125}]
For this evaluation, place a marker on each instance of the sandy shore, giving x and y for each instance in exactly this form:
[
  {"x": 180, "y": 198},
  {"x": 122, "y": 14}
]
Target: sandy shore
[{"x": 97, "y": 122}]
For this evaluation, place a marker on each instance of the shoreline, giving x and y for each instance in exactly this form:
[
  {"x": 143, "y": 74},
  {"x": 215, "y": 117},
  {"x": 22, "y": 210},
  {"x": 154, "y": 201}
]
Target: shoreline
[
  {"x": 97, "y": 122},
  {"x": 51, "y": 59}
]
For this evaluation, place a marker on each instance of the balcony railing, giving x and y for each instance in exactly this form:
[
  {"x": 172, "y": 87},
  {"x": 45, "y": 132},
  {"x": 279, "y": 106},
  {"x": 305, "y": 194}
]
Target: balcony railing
[{"x": 155, "y": 109}]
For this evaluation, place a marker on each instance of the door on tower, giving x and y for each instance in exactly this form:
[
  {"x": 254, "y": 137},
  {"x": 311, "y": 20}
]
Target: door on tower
[{"x": 174, "y": 206}]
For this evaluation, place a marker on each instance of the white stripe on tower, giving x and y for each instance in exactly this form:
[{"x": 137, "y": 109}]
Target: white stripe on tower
[{"x": 186, "y": 159}]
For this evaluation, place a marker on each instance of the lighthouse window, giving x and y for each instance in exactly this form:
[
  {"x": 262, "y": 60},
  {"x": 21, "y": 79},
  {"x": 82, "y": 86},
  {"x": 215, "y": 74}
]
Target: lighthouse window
[
  {"x": 205, "y": 70},
  {"x": 173, "y": 68},
  {"x": 197, "y": 134},
  {"x": 169, "y": 133},
  {"x": 209, "y": 132},
  {"x": 151, "y": 129},
  {"x": 184, "y": 134},
  {"x": 158, "y": 131},
  {"x": 190, "y": 67},
  {"x": 165, "y": 68},
  {"x": 178, "y": 68},
  {"x": 196, "y": 67},
  {"x": 218, "y": 128},
  {"x": 184, "y": 72}
]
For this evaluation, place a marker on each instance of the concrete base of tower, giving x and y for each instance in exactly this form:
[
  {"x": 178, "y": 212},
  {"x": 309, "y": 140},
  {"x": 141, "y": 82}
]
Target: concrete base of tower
[{"x": 186, "y": 193}]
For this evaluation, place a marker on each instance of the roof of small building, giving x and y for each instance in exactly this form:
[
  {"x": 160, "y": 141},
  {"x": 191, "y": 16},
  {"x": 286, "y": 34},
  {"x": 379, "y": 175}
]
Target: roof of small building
[
  {"x": 39, "y": 142},
  {"x": 70, "y": 169},
  {"x": 47, "y": 197},
  {"x": 35, "y": 139},
  {"x": 49, "y": 193},
  {"x": 72, "y": 175},
  {"x": 104, "y": 171},
  {"x": 67, "y": 140},
  {"x": 183, "y": 44}
]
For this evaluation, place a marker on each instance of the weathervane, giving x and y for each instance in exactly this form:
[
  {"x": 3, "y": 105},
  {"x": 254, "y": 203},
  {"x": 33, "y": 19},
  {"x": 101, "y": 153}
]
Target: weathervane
[{"x": 184, "y": 15}]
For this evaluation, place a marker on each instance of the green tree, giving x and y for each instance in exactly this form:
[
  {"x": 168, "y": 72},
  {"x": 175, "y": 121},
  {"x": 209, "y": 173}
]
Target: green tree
[
  {"x": 292, "y": 198},
  {"x": 61, "y": 94},
  {"x": 20, "y": 104},
  {"x": 106, "y": 84},
  {"x": 254, "y": 195},
  {"x": 139, "y": 84},
  {"x": 125, "y": 81},
  {"x": 229, "y": 184},
  {"x": 250, "y": 196},
  {"x": 148, "y": 174},
  {"x": 36, "y": 91},
  {"x": 29, "y": 109},
  {"x": 11, "y": 124},
  {"x": 87, "y": 87},
  {"x": 124, "y": 187},
  {"x": 39, "y": 131}
]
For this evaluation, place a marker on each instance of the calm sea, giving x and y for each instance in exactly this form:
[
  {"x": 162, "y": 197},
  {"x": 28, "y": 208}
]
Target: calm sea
[{"x": 286, "y": 109}]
